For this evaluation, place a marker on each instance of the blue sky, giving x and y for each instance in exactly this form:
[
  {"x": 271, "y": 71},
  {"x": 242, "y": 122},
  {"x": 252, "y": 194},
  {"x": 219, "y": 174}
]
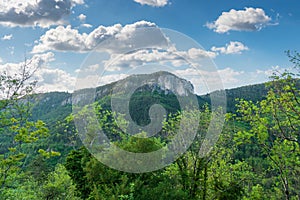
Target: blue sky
[{"x": 245, "y": 39}]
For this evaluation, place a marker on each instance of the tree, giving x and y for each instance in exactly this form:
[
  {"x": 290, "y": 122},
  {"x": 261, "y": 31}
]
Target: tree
[
  {"x": 275, "y": 128},
  {"x": 75, "y": 164},
  {"x": 191, "y": 168},
  {"x": 15, "y": 127},
  {"x": 59, "y": 185}
]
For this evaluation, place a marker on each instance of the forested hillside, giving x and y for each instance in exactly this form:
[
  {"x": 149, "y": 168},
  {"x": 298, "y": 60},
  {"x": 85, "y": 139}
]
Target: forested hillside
[
  {"x": 54, "y": 106},
  {"x": 256, "y": 157}
]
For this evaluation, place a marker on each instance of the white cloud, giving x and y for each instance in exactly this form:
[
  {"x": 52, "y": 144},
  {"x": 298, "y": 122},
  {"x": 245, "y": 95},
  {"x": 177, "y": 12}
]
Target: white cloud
[
  {"x": 49, "y": 79},
  {"x": 7, "y": 37},
  {"x": 250, "y": 19},
  {"x": 133, "y": 44},
  {"x": 86, "y": 25},
  {"x": 79, "y": 2},
  {"x": 82, "y": 17},
  {"x": 138, "y": 58},
  {"x": 43, "y": 13},
  {"x": 231, "y": 48},
  {"x": 229, "y": 75},
  {"x": 275, "y": 70},
  {"x": 154, "y": 3},
  {"x": 89, "y": 69},
  {"x": 116, "y": 38},
  {"x": 1, "y": 60},
  {"x": 61, "y": 39},
  {"x": 175, "y": 58},
  {"x": 37, "y": 61},
  {"x": 206, "y": 81},
  {"x": 195, "y": 54}
]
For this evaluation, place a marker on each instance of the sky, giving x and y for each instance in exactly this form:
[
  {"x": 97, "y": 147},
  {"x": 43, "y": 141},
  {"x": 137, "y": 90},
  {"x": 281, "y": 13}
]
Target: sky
[{"x": 233, "y": 42}]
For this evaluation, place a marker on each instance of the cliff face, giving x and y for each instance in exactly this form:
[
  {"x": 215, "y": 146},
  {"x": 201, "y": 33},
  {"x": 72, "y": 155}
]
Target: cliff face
[
  {"x": 170, "y": 82},
  {"x": 162, "y": 82}
]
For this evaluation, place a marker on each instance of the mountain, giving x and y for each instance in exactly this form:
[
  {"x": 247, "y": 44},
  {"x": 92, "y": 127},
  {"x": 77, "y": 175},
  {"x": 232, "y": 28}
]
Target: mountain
[
  {"x": 160, "y": 87},
  {"x": 161, "y": 82},
  {"x": 148, "y": 89},
  {"x": 254, "y": 93}
]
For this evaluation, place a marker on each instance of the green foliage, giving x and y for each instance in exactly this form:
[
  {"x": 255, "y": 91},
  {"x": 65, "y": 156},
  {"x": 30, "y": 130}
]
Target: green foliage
[
  {"x": 18, "y": 130},
  {"x": 59, "y": 186},
  {"x": 75, "y": 164},
  {"x": 274, "y": 127},
  {"x": 140, "y": 103},
  {"x": 28, "y": 189}
]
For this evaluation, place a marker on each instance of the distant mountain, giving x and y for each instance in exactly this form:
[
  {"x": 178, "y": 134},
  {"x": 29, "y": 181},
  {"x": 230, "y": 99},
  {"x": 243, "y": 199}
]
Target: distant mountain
[
  {"x": 160, "y": 87},
  {"x": 254, "y": 93}
]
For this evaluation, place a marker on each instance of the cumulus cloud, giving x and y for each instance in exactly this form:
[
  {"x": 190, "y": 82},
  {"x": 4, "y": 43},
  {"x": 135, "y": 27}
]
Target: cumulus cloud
[
  {"x": 48, "y": 79},
  {"x": 231, "y": 48},
  {"x": 138, "y": 58},
  {"x": 86, "y": 25},
  {"x": 195, "y": 54},
  {"x": 7, "y": 37},
  {"x": 43, "y": 13},
  {"x": 37, "y": 61},
  {"x": 172, "y": 56},
  {"x": 61, "y": 39},
  {"x": 113, "y": 39},
  {"x": 153, "y": 3},
  {"x": 250, "y": 19},
  {"x": 128, "y": 46},
  {"x": 82, "y": 17}
]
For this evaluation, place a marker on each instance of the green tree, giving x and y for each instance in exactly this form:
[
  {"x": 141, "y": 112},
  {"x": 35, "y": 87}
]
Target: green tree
[
  {"x": 274, "y": 127},
  {"x": 16, "y": 129},
  {"x": 191, "y": 168},
  {"x": 75, "y": 164},
  {"x": 59, "y": 185}
]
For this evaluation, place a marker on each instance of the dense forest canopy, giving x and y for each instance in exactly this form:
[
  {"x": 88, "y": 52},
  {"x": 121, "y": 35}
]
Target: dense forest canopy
[{"x": 256, "y": 157}]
